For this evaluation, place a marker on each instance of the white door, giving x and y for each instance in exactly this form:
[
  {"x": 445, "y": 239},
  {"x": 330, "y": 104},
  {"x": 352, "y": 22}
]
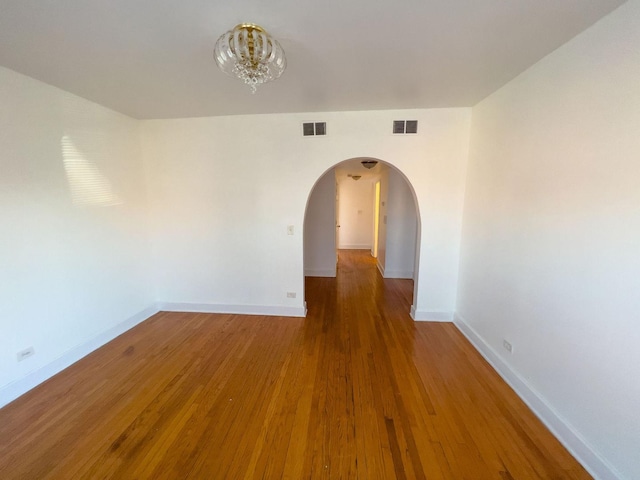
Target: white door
[{"x": 337, "y": 216}]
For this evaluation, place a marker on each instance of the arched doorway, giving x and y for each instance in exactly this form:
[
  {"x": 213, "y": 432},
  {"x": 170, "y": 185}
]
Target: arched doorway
[{"x": 354, "y": 207}]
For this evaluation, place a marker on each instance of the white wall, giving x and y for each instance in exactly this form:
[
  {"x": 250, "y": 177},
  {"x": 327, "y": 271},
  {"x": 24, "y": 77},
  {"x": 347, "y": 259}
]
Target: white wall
[
  {"x": 355, "y": 213},
  {"x": 320, "y": 229},
  {"x": 550, "y": 258},
  {"x": 74, "y": 253},
  {"x": 224, "y": 190},
  {"x": 400, "y": 244}
]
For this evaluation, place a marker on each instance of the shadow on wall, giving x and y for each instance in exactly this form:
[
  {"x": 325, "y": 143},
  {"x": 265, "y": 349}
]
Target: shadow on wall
[{"x": 87, "y": 184}]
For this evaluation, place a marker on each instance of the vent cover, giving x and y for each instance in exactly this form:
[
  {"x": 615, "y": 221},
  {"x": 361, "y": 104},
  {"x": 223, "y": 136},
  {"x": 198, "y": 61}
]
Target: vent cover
[
  {"x": 311, "y": 129},
  {"x": 401, "y": 127}
]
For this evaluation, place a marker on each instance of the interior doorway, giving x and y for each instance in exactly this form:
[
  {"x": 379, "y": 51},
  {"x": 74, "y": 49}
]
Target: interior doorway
[
  {"x": 376, "y": 218},
  {"x": 358, "y": 207}
]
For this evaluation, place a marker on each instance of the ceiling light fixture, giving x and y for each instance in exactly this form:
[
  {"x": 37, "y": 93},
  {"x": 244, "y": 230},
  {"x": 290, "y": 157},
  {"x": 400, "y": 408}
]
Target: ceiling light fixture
[
  {"x": 369, "y": 163},
  {"x": 356, "y": 177},
  {"x": 251, "y": 54}
]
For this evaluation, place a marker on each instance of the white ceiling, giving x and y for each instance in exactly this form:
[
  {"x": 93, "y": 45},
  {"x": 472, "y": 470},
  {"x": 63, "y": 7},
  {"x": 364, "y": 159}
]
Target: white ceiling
[{"x": 153, "y": 58}]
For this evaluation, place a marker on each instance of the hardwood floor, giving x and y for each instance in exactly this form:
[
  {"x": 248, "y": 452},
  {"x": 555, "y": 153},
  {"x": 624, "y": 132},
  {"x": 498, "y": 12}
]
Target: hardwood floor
[{"x": 355, "y": 390}]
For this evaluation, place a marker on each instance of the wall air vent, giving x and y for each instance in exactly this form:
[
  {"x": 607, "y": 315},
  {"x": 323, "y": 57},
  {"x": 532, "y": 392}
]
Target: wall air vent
[
  {"x": 401, "y": 127},
  {"x": 311, "y": 129}
]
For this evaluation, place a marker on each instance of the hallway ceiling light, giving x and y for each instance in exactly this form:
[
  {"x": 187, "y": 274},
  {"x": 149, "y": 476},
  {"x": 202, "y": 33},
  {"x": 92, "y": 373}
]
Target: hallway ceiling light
[
  {"x": 369, "y": 163},
  {"x": 356, "y": 177},
  {"x": 251, "y": 54}
]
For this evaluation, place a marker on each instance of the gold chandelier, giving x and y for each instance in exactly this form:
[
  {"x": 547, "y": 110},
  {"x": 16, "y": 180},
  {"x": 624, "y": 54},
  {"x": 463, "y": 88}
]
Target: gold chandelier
[{"x": 251, "y": 54}]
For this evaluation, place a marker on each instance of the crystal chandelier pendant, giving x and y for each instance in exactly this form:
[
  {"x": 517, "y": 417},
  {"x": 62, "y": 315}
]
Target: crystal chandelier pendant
[{"x": 249, "y": 53}]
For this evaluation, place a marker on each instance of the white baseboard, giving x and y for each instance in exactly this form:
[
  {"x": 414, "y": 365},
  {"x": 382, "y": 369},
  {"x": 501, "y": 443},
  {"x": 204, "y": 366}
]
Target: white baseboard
[
  {"x": 10, "y": 392},
  {"x": 426, "y": 316},
  {"x": 563, "y": 431},
  {"x": 380, "y": 268},
  {"x": 271, "y": 310},
  {"x": 355, "y": 246},
  {"x": 319, "y": 272},
  {"x": 398, "y": 274}
]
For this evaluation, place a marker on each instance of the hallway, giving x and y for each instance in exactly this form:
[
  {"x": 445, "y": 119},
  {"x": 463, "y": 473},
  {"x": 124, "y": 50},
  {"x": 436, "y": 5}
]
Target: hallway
[{"x": 355, "y": 390}]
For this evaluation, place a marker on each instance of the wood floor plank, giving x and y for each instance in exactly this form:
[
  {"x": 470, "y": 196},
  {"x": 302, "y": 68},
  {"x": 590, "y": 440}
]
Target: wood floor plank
[{"x": 357, "y": 390}]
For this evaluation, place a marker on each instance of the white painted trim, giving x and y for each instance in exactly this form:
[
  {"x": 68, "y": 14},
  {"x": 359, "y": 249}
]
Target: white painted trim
[
  {"x": 13, "y": 390},
  {"x": 318, "y": 272},
  {"x": 271, "y": 310},
  {"x": 380, "y": 268},
  {"x": 398, "y": 274},
  {"x": 597, "y": 466},
  {"x": 356, "y": 246},
  {"x": 426, "y": 316}
]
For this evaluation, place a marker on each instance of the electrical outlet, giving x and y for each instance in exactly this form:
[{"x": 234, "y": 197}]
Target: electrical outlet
[
  {"x": 26, "y": 353},
  {"x": 507, "y": 346},
  {"x": 291, "y": 294}
]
